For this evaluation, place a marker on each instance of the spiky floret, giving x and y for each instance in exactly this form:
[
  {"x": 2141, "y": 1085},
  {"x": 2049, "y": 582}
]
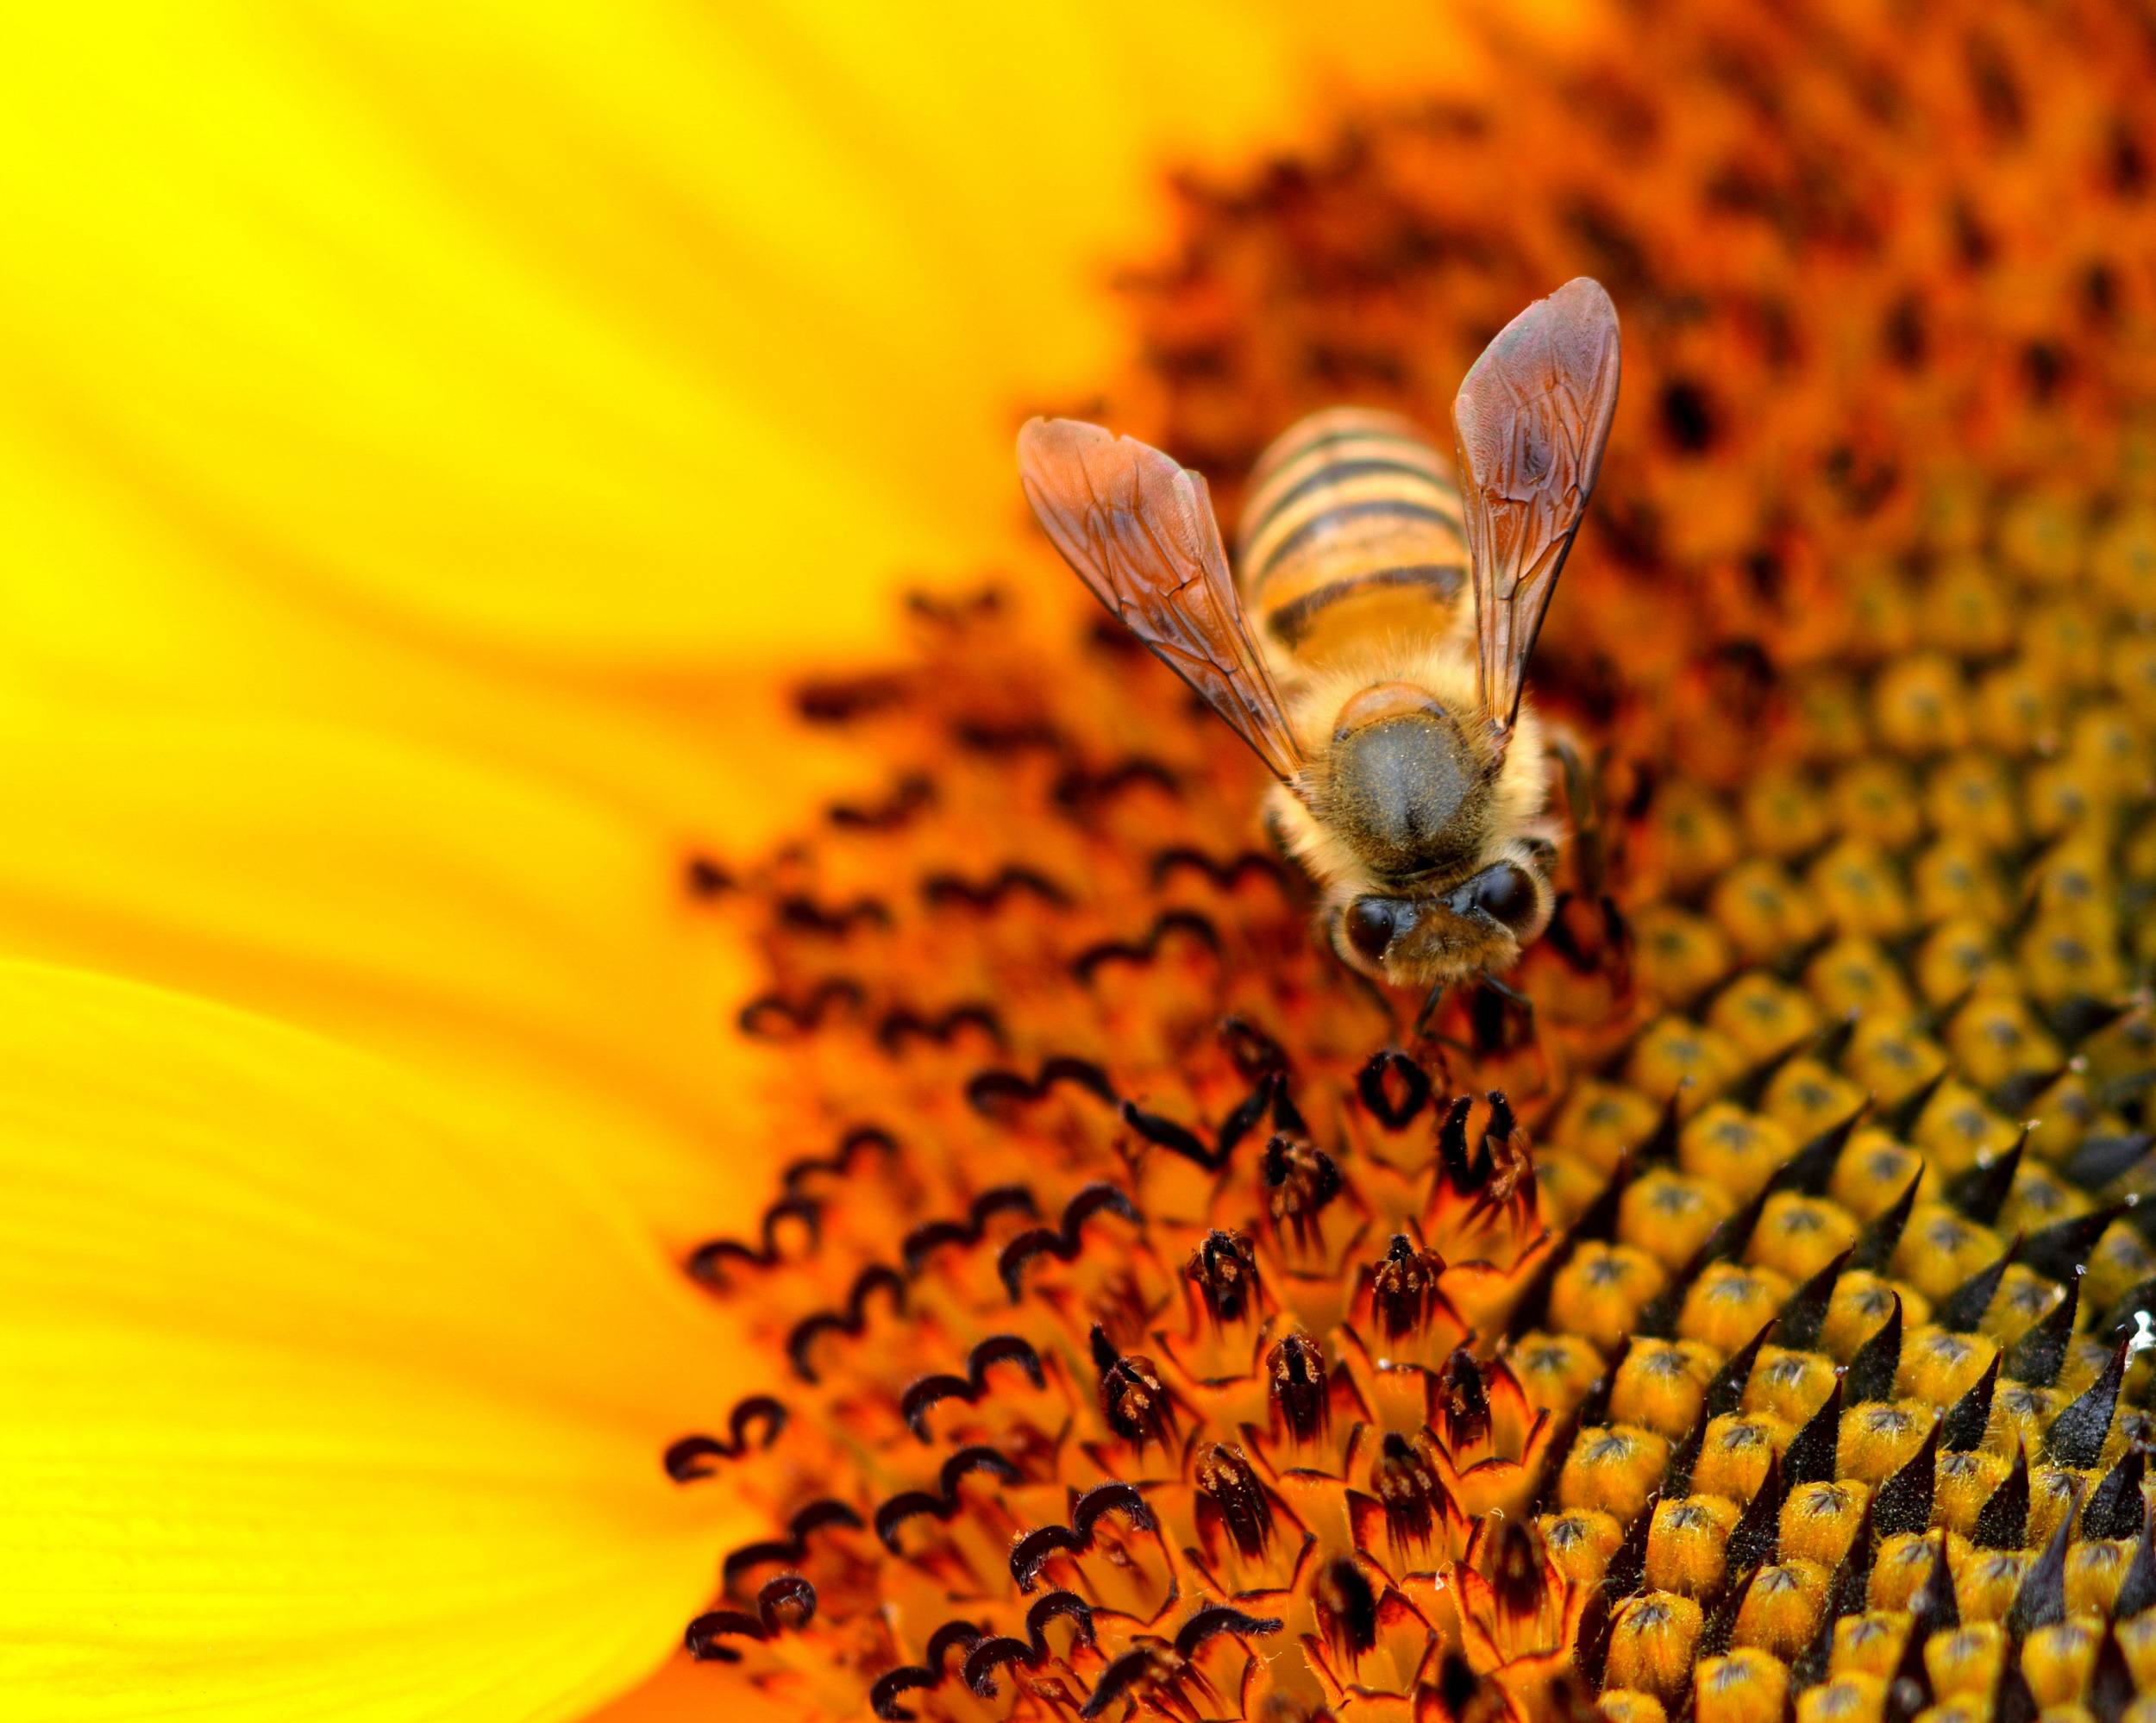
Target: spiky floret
[{"x": 1752, "y": 1325}]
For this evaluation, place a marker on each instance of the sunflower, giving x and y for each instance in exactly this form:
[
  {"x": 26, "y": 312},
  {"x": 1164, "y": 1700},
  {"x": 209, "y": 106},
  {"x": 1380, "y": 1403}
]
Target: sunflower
[{"x": 1149, "y": 1317}]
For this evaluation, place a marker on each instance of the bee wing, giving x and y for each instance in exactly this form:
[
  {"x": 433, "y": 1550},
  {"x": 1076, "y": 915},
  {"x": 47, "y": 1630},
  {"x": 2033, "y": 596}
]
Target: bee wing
[
  {"x": 1530, "y": 418},
  {"x": 1139, "y": 530}
]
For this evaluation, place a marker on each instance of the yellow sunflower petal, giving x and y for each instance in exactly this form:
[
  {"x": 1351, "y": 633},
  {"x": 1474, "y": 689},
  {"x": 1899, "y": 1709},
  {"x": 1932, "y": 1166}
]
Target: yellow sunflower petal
[
  {"x": 592, "y": 330},
  {"x": 319, "y": 1406},
  {"x": 532, "y": 948}
]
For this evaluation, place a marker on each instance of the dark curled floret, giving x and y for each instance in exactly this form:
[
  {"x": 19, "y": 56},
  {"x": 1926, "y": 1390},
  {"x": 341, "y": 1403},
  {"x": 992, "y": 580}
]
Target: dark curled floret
[
  {"x": 785, "y": 1604},
  {"x": 1032, "y": 1551},
  {"x": 852, "y": 1320},
  {"x": 924, "y": 1240},
  {"x": 707, "y": 1262},
  {"x": 792, "y": 1549},
  {"x": 1061, "y": 1242},
  {"x": 942, "y": 1503},
  {"x": 989, "y": 1654},
  {"x": 997, "y": 1348},
  {"x": 687, "y": 1459}
]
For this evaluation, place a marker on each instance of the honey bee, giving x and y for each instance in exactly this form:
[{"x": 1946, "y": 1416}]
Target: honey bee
[{"x": 1414, "y": 783}]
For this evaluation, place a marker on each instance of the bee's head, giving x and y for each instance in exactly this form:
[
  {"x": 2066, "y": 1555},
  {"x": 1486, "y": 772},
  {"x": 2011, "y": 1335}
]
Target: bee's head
[{"x": 1475, "y": 927}]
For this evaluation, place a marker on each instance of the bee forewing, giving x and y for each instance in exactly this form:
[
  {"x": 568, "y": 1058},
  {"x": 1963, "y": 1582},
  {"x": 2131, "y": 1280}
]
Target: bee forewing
[
  {"x": 1531, "y": 419},
  {"x": 1139, "y": 531}
]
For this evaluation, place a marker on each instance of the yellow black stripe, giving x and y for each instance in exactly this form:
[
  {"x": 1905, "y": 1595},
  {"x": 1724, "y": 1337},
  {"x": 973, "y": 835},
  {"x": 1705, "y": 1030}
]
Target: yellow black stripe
[
  {"x": 1301, "y": 533},
  {"x": 1349, "y": 502},
  {"x": 1291, "y": 623},
  {"x": 1334, "y": 472}
]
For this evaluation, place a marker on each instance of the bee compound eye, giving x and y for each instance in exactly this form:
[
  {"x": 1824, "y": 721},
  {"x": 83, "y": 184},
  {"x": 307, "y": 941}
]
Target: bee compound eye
[
  {"x": 1505, "y": 894},
  {"x": 1372, "y": 924}
]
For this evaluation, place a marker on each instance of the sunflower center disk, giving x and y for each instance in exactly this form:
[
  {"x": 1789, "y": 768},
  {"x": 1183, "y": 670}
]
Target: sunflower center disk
[{"x": 1754, "y": 1321}]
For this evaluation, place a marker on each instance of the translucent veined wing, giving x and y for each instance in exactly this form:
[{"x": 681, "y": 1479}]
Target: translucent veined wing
[
  {"x": 1530, "y": 418},
  {"x": 1139, "y": 530}
]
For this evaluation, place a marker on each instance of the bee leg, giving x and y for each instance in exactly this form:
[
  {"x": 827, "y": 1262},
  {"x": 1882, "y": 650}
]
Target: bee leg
[
  {"x": 1492, "y": 1030},
  {"x": 1421, "y": 1037},
  {"x": 1429, "y": 1010},
  {"x": 1582, "y": 805},
  {"x": 1512, "y": 996},
  {"x": 1505, "y": 990}
]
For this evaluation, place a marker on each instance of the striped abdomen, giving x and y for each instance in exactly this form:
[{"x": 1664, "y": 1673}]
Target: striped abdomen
[{"x": 1352, "y": 529}]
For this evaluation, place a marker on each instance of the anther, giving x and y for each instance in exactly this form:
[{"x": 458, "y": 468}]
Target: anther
[
  {"x": 2037, "y": 1356},
  {"x": 2040, "y": 1601},
  {"x": 1133, "y": 1402},
  {"x": 1227, "y": 1480},
  {"x": 1458, "y": 1685},
  {"x": 1407, "y": 1488},
  {"x": 1464, "y": 1402},
  {"x": 1224, "y": 1268},
  {"x": 2077, "y": 1436},
  {"x": 1982, "y": 1191},
  {"x": 1295, "y": 1371},
  {"x": 1810, "y": 1456},
  {"x": 2101, "y": 1159},
  {"x": 1871, "y": 1371},
  {"x": 1219, "y": 1618},
  {"x": 1403, "y": 1287},
  {"x": 2058, "y": 1249},
  {"x": 1963, "y": 1427},
  {"x": 1903, "y": 1502},
  {"x": 1875, "y": 1249},
  {"x": 1962, "y": 1309},
  {"x": 1257, "y": 1055},
  {"x": 1501, "y": 1125},
  {"x": 1154, "y": 1667},
  {"x": 1501, "y": 1017},
  {"x": 1301, "y": 1179}
]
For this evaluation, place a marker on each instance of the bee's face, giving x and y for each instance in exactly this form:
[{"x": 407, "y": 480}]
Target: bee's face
[
  {"x": 1441, "y": 883},
  {"x": 1475, "y": 927}
]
